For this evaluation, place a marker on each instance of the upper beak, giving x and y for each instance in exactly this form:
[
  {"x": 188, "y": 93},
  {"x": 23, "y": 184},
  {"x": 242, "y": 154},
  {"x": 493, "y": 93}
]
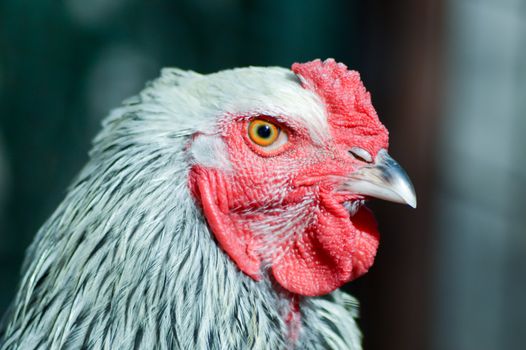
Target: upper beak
[{"x": 383, "y": 179}]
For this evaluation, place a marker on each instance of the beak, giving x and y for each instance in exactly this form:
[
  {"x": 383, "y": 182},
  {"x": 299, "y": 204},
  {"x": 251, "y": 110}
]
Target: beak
[{"x": 384, "y": 179}]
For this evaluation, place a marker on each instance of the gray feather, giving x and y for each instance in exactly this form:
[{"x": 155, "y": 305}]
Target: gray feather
[{"x": 127, "y": 260}]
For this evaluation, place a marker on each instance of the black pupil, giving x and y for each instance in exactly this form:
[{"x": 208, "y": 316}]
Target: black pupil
[{"x": 264, "y": 131}]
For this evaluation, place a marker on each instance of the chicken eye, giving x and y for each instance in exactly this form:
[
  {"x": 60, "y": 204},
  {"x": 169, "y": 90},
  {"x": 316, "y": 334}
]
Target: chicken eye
[{"x": 262, "y": 132}]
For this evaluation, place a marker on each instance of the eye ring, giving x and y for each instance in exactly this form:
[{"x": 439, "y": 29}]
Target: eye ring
[{"x": 262, "y": 132}]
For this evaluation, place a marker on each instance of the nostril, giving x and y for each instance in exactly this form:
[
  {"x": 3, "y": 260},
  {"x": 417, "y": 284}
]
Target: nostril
[{"x": 361, "y": 154}]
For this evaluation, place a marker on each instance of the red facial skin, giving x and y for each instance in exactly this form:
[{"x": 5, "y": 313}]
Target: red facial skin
[{"x": 326, "y": 247}]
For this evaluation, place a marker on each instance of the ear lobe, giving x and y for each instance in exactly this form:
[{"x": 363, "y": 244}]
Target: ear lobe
[
  {"x": 209, "y": 151},
  {"x": 210, "y": 190}
]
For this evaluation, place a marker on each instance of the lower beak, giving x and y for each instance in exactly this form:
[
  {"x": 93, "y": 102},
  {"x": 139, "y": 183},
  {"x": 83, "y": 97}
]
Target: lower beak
[{"x": 384, "y": 179}]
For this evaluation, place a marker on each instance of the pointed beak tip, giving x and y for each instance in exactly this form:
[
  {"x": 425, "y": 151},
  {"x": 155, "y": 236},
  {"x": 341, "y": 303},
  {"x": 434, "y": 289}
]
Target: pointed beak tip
[
  {"x": 409, "y": 197},
  {"x": 403, "y": 196},
  {"x": 407, "y": 193}
]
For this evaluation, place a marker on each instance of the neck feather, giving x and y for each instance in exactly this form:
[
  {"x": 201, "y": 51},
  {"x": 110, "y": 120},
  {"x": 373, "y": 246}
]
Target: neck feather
[{"x": 127, "y": 260}]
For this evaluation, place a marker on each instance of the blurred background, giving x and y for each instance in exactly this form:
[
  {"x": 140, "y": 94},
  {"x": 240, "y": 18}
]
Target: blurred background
[{"x": 448, "y": 78}]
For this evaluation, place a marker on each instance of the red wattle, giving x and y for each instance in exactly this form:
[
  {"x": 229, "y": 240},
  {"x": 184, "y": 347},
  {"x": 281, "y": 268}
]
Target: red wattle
[{"x": 329, "y": 255}]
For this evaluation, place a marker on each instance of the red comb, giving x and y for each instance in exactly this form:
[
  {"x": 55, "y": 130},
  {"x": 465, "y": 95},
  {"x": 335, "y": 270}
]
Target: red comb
[{"x": 341, "y": 89}]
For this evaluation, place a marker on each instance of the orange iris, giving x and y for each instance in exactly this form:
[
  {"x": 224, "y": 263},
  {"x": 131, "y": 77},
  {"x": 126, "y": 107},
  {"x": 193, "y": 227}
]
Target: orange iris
[{"x": 262, "y": 132}]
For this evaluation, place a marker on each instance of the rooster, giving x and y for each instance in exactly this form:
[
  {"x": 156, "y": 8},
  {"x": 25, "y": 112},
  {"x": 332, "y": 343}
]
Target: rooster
[{"x": 217, "y": 211}]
